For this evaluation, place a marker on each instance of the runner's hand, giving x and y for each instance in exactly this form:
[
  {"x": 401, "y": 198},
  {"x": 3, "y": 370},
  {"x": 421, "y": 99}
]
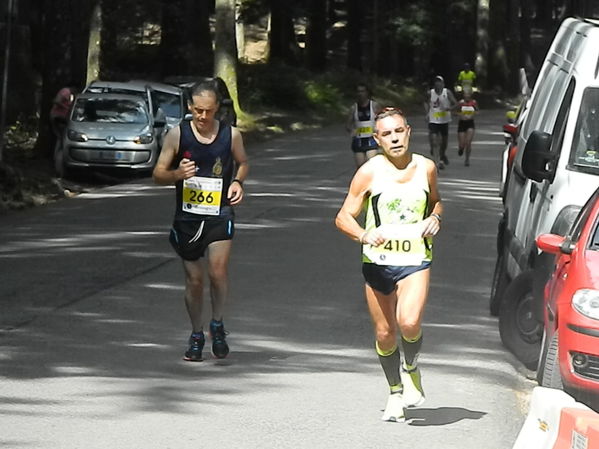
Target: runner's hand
[
  {"x": 186, "y": 169},
  {"x": 373, "y": 237},
  {"x": 235, "y": 193},
  {"x": 431, "y": 227}
]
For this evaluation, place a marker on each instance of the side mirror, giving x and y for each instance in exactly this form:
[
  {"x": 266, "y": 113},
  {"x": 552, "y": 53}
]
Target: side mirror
[
  {"x": 536, "y": 156},
  {"x": 554, "y": 244},
  {"x": 188, "y": 117},
  {"x": 510, "y": 129}
]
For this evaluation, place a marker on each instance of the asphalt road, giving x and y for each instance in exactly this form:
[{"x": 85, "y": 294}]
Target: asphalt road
[{"x": 93, "y": 326}]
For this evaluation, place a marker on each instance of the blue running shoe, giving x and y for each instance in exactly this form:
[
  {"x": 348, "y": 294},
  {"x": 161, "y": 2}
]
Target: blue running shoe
[
  {"x": 196, "y": 345},
  {"x": 220, "y": 348}
]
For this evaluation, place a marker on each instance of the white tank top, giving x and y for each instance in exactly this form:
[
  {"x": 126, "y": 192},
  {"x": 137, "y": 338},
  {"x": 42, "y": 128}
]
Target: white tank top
[
  {"x": 439, "y": 107},
  {"x": 363, "y": 128}
]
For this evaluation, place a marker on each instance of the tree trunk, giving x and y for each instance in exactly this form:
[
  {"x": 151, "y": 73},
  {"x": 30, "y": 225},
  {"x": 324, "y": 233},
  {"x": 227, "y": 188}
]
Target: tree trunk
[
  {"x": 525, "y": 40},
  {"x": 354, "y": 34},
  {"x": 282, "y": 42},
  {"x": 225, "y": 51},
  {"x": 56, "y": 71},
  {"x": 240, "y": 32},
  {"x": 499, "y": 68},
  {"x": 93, "y": 48},
  {"x": 316, "y": 35},
  {"x": 482, "y": 33},
  {"x": 173, "y": 43}
]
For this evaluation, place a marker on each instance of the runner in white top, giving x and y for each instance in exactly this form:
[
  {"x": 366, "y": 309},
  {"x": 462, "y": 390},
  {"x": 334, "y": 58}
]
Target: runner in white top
[
  {"x": 360, "y": 123},
  {"x": 440, "y": 102}
]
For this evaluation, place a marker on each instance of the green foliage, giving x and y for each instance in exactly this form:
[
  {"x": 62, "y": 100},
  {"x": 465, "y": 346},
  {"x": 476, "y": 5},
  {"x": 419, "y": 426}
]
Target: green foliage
[{"x": 322, "y": 94}]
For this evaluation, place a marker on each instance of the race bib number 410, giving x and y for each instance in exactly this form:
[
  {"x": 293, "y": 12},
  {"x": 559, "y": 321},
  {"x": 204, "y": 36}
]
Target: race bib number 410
[
  {"x": 405, "y": 246},
  {"x": 202, "y": 195}
]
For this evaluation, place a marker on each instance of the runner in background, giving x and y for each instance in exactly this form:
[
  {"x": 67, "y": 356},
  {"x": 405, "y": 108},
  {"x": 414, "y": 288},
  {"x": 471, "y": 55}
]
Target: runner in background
[
  {"x": 467, "y": 109},
  {"x": 360, "y": 124}
]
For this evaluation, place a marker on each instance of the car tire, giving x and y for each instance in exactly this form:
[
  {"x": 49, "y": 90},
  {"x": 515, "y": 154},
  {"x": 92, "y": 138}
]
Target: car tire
[
  {"x": 498, "y": 286},
  {"x": 519, "y": 330},
  {"x": 542, "y": 358},
  {"x": 551, "y": 375}
]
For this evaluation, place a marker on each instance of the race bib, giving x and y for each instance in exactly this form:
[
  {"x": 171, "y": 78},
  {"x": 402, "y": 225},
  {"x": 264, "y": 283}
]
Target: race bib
[
  {"x": 439, "y": 114},
  {"x": 364, "y": 131},
  {"x": 468, "y": 111},
  {"x": 202, "y": 195},
  {"x": 404, "y": 246}
]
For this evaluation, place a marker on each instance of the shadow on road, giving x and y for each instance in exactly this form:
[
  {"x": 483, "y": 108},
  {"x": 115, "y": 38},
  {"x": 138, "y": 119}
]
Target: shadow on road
[{"x": 440, "y": 416}]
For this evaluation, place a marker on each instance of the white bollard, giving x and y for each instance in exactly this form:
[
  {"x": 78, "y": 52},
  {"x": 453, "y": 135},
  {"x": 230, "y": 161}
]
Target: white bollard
[{"x": 541, "y": 426}]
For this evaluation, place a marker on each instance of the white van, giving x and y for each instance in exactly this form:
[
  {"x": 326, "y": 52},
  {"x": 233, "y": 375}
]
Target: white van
[{"x": 554, "y": 173}]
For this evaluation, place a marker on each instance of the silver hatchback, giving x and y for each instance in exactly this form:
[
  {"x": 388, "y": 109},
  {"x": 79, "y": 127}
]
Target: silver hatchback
[{"x": 109, "y": 131}]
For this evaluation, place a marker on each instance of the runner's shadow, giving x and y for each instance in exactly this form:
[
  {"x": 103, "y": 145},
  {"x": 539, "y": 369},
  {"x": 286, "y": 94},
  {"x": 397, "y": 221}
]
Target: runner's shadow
[{"x": 440, "y": 416}]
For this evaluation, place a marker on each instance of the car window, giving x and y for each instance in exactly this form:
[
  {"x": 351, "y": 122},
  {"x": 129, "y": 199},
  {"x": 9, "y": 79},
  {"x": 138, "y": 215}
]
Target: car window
[
  {"x": 585, "y": 147},
  {"x": 109, "y": 111},
  {"x": 583, "y": 217},
  {"x": 169, "y": 103}
]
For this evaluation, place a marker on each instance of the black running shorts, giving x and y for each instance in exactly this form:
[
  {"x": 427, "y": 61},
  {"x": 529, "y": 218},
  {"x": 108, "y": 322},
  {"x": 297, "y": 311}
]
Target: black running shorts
[
  {"x": 465, "y": 125},
  {"x": 191, "y": 238},
  {"x": 384, "y": 277},
  {"x": 439, "y": 128}
]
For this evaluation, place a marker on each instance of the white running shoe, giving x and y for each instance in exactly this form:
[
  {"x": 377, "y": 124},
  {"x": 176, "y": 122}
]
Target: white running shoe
[
  {"x": 413, "y": 393},
  {"x": 394, "y": 411}
]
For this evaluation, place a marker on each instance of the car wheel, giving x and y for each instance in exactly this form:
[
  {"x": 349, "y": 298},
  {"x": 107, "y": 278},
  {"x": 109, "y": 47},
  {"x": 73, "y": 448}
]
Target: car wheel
[
  {"x": 551, "y": 375},
  {"x": 500, "y": 282},
  {"x": 519, "y": 329},
  {"x": 542, "y": 358}
]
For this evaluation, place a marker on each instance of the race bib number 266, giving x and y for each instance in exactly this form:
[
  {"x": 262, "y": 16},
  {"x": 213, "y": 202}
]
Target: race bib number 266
[{"x": 202, "y": 195}]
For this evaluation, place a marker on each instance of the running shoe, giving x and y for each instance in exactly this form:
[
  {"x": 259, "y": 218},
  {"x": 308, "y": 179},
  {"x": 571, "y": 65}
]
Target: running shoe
[
  {"x": 441, "y": 166},
  {"x": 220, "y": 348},
  {"x": 467, "y": 163},
  {"x": 394, "y": 411},
  {"x": 196, "y": 345},
  {"x": 460, "y": 151},
  {"x": 413, "y": 393},
  {"x": 445, "y": 159}
]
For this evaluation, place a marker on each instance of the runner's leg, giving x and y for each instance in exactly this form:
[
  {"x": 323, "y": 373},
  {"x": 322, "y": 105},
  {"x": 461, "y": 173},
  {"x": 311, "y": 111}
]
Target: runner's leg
[
  {"x": 194, "y": 289},
  {"x": 359, "y": 158},
  {"x": 461, "y": 142},
  {"x": 371, "y": 153},
  {"x": 468, "y": 145},
  {"x": 218, "y": 262}
]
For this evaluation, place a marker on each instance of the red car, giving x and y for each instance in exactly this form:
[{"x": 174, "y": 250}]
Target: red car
[{"x": 570, "y": 351}]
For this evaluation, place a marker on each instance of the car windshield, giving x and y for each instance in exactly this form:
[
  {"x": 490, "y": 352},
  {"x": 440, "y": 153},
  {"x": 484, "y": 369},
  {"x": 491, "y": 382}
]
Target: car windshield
[
  {"x": 109, "y": 110},
  {"x": 585, "y": 148},
  {"x": 169, "y": 103}
]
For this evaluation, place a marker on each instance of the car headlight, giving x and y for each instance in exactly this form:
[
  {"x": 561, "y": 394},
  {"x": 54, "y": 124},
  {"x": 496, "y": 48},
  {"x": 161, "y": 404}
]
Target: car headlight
[
  {"x": 144, "y": 138},
  {"x": 76, "y": 137},
  {"x": 586, "y": 301}
]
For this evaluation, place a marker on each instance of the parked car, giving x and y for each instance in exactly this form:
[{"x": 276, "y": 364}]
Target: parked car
[
  {"x": 160, "y": 97},
  {"x": 554, "y": 171},
  {"x": 569, "y": 357},
  {"x": 109, "y": 131}
]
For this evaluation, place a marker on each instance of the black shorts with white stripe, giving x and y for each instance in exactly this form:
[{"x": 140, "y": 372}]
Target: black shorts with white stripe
[{"x": 190, "y": 239}]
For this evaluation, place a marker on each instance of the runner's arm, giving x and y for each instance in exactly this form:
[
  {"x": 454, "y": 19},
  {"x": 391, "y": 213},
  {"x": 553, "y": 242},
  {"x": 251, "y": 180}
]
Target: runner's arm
[
  {"x": 433, "y": 222},
  {"x": 352, "y": 206},
  {"x": 349, "y": 125},
  {"x": 235, "y": 193},
  {"x": 163, "y": 174}
]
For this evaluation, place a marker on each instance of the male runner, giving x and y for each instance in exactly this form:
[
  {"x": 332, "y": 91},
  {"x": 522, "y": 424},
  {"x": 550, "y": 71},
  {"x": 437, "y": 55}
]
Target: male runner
[
  {"x": 438, "y": 106},
  {"x": 398, "y": 191},
  {"x": 199, "y": 157},
  {"x": 360, "y": 123}
]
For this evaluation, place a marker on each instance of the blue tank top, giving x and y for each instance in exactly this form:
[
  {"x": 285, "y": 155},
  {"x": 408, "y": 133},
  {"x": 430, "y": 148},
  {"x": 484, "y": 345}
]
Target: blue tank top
[{"x": 214, "y": 162}]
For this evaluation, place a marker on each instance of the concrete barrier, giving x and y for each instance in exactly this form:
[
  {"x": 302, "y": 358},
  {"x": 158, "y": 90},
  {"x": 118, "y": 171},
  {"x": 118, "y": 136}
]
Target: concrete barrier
[
  {"x": 575, "y": 429},
  {"x": 541, "y": 427}
]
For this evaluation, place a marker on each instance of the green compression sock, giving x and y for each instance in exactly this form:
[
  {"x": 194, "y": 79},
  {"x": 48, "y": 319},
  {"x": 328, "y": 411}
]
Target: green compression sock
[
  {"x": 390, "y": 363},
  {"x": 411, "y": 348}
]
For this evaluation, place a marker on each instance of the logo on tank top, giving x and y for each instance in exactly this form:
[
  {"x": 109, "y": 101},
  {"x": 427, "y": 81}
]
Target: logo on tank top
[{"x": 217, "y": 168}]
